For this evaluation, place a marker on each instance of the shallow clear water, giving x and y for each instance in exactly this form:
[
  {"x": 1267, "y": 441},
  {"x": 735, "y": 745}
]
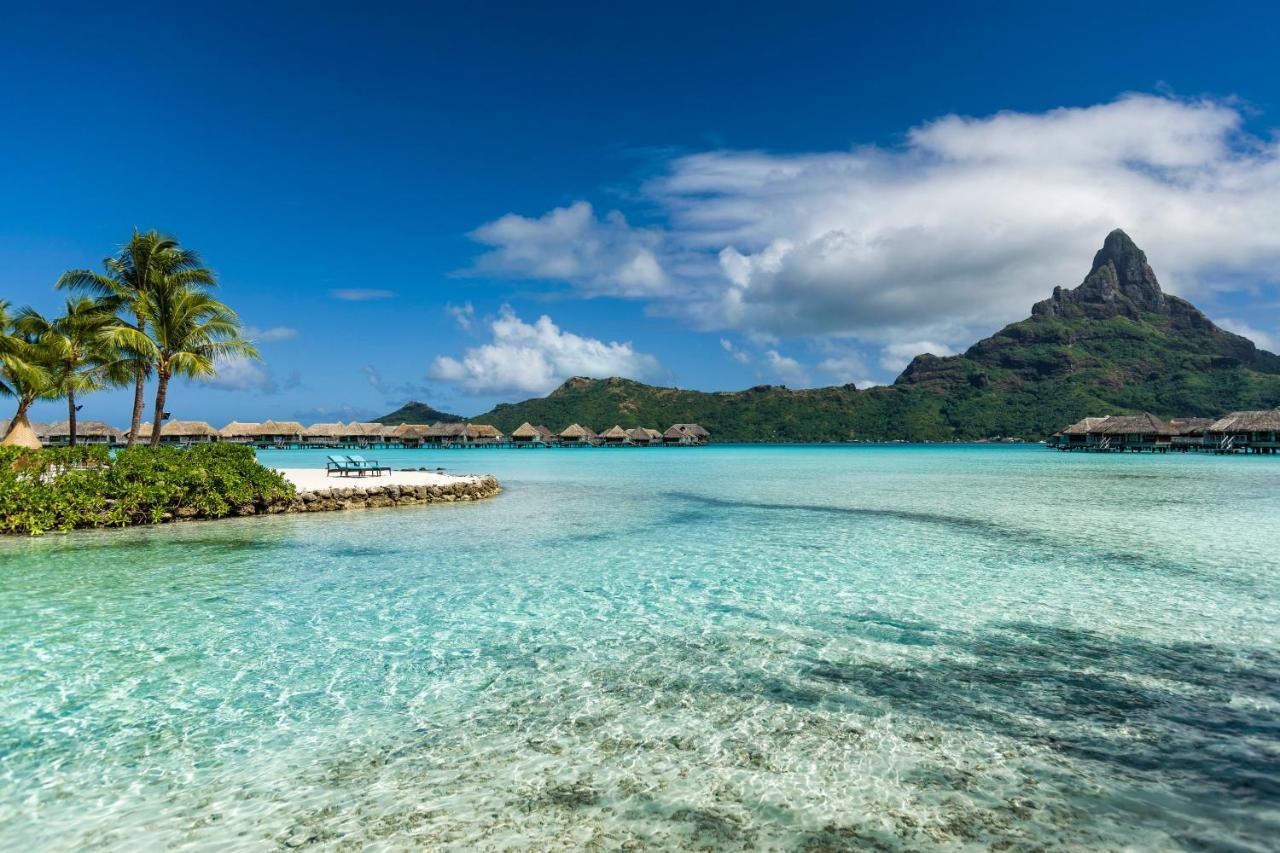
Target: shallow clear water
[{"x": 725, "y": 647}]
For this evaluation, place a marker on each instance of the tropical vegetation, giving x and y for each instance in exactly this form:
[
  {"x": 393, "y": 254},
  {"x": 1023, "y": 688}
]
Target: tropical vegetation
[
  {"x": 150, "y": 312},
  {"x": 87, "y": 486}
]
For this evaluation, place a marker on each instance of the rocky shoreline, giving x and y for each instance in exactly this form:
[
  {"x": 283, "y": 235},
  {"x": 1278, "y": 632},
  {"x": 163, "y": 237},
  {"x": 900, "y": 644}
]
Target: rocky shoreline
[{"x": 364, "y": 497}]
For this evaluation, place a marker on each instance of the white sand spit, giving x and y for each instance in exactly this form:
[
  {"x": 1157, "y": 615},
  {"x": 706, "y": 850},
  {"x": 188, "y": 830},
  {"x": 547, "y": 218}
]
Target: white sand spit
[{"x": 314, "y": 479}]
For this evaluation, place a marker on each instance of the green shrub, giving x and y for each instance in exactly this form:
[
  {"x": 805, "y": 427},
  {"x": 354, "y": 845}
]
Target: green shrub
[{"x": 68, "y": 488}]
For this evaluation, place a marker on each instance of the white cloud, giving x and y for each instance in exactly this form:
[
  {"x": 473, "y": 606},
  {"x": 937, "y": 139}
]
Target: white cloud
[
  {"x": 895, "y": 357},
  {"x": 847, "y": 368},
  {"x": 1265, "y": 340},
  {"x": 238, "y": 373},
  {"x": 271, "y": 335},
  {"x": 536, "y": 357},
  {"x": 360, "y": 294},
  {"x": 464, "y": 315},
  {"x": 942, "y": 239},
  {"x": 737, "y": 354},
  {"x": 600, "y": 257},
  {"x": 790, "y": 371}
]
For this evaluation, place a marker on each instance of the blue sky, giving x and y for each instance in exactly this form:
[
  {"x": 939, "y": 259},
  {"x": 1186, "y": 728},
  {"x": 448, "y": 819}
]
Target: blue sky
[{"x": 395, "y": 196}]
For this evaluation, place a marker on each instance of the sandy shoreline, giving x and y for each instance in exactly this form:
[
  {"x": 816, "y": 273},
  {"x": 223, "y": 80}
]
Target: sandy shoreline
[{"x": 316, "y": 479}]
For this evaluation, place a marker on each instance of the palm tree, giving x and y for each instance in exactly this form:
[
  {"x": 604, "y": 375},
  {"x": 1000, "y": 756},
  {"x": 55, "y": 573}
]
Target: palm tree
[
  {"x": 24, "y": 373},
  {"x": 80, "y": 358},
  {"x": 127, "y": 282},
  {"x": 189, "y": 332}
]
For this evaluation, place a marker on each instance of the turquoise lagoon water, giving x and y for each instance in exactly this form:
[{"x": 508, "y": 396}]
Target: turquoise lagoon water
[{"x": 729, "y": 647}]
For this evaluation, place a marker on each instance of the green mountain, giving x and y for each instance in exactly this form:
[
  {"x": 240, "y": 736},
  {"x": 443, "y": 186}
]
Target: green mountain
[
  {"x": 414, "y": 412},
  {"x": 1115, "y": 344}
]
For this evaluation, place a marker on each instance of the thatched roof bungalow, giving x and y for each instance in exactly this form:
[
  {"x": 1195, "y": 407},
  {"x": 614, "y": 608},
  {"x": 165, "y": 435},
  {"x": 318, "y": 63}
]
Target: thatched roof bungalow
[
  {"x": 526, "y": 433},
  {"x": 364, "y": 433},
  {"x": 615, "y": 436},
  {"x": 180, "y": 432},
  {"x": 640, "y": 436},
  {"x": 687, "y": 434},
  {"x": 279, "y": 432},
  {"x": 574, "y": 434},
  {"x": 545, "y": 435},
  {"x": 1258, "y": 431},
  {"x": 410, "y": 435},
  {"x": 1077, "y": 435},
  {"x": 238, "y": 432},
  {"x": 87, "y": 432},
  {"x": 1132, "y": 432},
  {"x": 483, "y": 434},
  {"x": 1190, "y": 433},
  {"x": 322, "y": 435}
]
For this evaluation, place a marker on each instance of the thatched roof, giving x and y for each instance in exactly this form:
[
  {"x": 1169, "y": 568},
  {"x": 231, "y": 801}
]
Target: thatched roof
[
  {"x": 573, "y": 431},
  {"x": 333, "y": 430},
  {"x": 441, "y": 430},
  {"x": 1082, "y": 426},
  {"x": 367, "y": 429},
  {"x": 1267, "y": 421},
  {"x": 544, "y": 433},
  {"x": 639, "y": 434},
  {"x": 83, "y": 428},
  {"x": 652, "y": 433},
  {"x": 614, "y": 431},
  {"x": 526, "y": 430},
  {"x": 410, "y": 431},
  {"x": 40, "y": 428},
  {"x": 279, "y": 428},
  {"x": 177, "y": 429},
  {"x": 239, "y": 429},
  {"x": 1143, "y": 424},
  {"x": 23, "y": 435},
  {"x": 1191, "y": 426},
  {"x": 691, "y": 430},
  {"x": 483, "y": 431}
]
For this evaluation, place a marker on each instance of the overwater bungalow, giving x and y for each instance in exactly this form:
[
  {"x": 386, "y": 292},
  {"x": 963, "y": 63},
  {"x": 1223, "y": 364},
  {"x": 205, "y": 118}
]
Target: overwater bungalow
[
  {"x": 574, "y": 435},
  {"x": 322, "y": 435},
  {"x": 364, "y": 434},
  {"x": 181, "y": 433},
  {"x": 1132, "y": 432},
  {"x": 640, "y": 437},
  {"x": 483, "y": 434},
  {"x": 685, "y": 434},
  {"x": 409, "y": 435},
  {"x": 525, "y": 435},
  {"x": 615, "y": 436},
  {"x": 278, "y": 433},
  {"x": 1076, "y": 436},
  {"x": 1250, "y": 432},
  {"x": 1191, "y": 433},
  {"x": 87, "y": 432},
  {"x": 545, "y": 435},
  {"x": 238, "y": 432}
]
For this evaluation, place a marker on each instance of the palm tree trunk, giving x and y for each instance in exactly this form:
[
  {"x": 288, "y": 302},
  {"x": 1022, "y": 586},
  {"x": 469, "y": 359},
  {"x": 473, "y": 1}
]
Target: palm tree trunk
[
  {"x": 139, "y": 386},
  {"x": 162, "y": 390},
  {"x": 71, "y": 417}
]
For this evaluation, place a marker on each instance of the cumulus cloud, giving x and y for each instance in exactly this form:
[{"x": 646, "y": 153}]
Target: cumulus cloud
[
  {"x": 895, "y": 357},
  {"x": 790, "y": 371},
  {"x": 1265, "y": 340},
  {"x": 464, "y": 315},
  {"x": 940, "y": 239},
  {"x": 600, "y": 257},
  {"x": 847, "y": 368},
  {"x": 736, "y": 354},
  {"x": 536, "y": 357},
  {"x": 360, "y": 294},
  {"x": 238, "y": 373}
]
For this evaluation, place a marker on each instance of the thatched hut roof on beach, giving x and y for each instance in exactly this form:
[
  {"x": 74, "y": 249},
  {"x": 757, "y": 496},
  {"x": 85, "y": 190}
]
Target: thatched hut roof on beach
[{"x": 22, "y": 433}]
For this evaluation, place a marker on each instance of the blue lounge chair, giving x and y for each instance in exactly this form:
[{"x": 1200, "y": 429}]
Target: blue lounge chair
[
  {"x": 342, "y": 466},
  {"x": 369, "y": 466}
]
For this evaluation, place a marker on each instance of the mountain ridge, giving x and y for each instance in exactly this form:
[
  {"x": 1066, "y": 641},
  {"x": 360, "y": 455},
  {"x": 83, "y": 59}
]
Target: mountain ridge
[{"x": 1114, "y": 344}]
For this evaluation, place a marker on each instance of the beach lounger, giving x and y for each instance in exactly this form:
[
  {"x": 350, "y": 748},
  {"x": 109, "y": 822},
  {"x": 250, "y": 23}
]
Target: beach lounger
[
  {"x": 370, "y": 466},
  {"x": 342, "y": 466}
]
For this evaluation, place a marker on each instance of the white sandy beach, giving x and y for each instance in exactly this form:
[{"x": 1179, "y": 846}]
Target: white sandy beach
[{"x": 315, "y": 479}]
